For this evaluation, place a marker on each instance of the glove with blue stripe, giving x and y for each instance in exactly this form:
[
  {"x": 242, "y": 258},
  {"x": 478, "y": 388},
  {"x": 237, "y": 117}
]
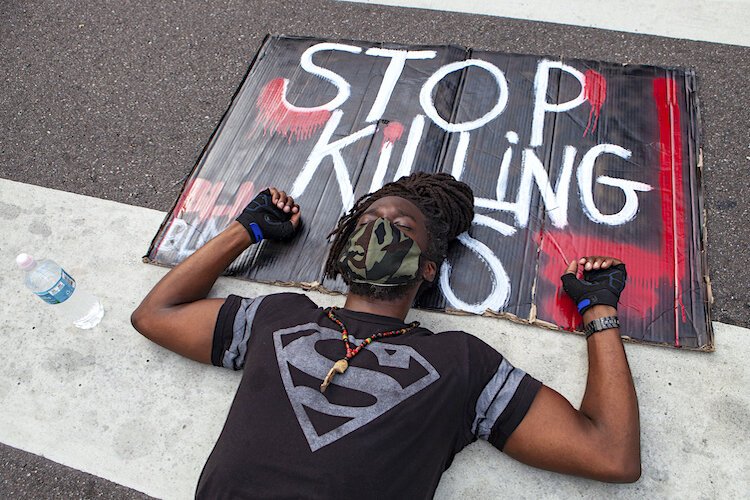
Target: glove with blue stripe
[
  {"x": 262, "y": 219},
  {"x": 598, "y": 287}
]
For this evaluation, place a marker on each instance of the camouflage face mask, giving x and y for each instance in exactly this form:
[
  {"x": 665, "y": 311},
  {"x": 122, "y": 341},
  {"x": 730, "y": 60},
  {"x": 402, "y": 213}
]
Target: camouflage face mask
[{"x": 380, "y": 254}]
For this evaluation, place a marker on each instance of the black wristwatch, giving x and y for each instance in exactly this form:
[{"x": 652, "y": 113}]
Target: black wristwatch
[{"x": 600, "y": 324}]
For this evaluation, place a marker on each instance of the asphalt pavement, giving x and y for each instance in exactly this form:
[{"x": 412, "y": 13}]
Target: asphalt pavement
[
  {"x": 24, "y": 475},
  {"x": 117, "y": 100}
]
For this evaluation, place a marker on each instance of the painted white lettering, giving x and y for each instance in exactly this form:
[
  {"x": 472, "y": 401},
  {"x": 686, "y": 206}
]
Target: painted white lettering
[
  {"x": 533, "y": 172},
  {"x": 325, "y": 148},
  {"x": 629, "y": 188},
  {"x": 541, "y": 106},
  {"x": 500, "y": 227},
  {"x": 184, "y": 239},
  {"x": 344, "y": 89},
  {"x": 428, "y": 105},
  {"x": 391, "y": 76},
  {"x": 555, "y": 201},
  {"x": 379, "y": 175},
  {"x": 410, "y": 150},
  {"x": 459, "y": 161},
  {"x": 500, "y": 294},
  {"x": 502, "y": 179}
]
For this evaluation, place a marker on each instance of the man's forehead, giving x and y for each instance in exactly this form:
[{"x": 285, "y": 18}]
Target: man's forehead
[{"x": 403, "y": 205}]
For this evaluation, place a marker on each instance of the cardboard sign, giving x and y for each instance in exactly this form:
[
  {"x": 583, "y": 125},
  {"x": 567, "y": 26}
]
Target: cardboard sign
[{"x": 566, "y": 158}]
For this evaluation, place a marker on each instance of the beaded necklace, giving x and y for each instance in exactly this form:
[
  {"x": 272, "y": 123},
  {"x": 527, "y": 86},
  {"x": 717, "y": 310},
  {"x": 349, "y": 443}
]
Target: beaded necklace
[{"x": 341, "y": 365}]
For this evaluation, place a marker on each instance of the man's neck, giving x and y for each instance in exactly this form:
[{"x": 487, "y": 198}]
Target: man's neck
[{"x": 392, "y": 308}]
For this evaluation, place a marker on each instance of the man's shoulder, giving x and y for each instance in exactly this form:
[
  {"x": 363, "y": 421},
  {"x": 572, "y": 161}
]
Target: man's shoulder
[
  {"x": 297, "y": 296},
  {"x": 465, "y": 341},
  {"x": 294, "y": 300},
  {"x": 458, "y": 335},
  {"x": 274, "y": 309},
  {"x": 287, "y": 302}
]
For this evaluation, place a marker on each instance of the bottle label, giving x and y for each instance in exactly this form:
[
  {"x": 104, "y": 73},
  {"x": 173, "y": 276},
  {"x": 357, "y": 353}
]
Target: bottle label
[{"x": 61, "y": 291}]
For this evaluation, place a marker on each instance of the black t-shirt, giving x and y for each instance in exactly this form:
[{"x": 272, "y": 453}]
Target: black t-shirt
[{"x": 386, "y": 428}]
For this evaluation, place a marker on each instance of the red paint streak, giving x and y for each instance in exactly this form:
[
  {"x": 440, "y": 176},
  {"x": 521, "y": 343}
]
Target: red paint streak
[
  {"x": 551, "y": 239},
  {"x": 392, "y": 133},
  {"x": 276, "y": 116},
  {"x": 595, "y": 91},
  {"x": 178, "y": 209},
  {"x": 244, "y": 195},
  {"x": 640, "y": 296},
  {"x": 200, "y": 198},
  {"x": 203, "y": 195},
  {"x": 670, "y": 184}
]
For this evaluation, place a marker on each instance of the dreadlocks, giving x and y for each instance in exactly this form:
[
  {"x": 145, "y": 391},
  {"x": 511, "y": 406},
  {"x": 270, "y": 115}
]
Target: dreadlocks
[{"x": 447, "y": 204}]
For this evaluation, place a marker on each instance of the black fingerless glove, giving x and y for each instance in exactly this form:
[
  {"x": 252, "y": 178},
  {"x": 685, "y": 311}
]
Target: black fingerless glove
[
  {"x": 262, "y": 219},
  {"x": 598, "y": 287}
]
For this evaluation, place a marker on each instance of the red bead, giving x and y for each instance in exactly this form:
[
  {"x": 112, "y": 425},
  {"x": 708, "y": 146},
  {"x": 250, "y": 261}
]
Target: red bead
[{"x": 350, "y": 353}]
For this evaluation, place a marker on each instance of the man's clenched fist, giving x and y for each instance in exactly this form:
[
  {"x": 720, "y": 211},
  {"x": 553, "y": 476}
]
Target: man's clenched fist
[
  {"x": 603, "y": 282},
  {"x": 272, "y": 215}
]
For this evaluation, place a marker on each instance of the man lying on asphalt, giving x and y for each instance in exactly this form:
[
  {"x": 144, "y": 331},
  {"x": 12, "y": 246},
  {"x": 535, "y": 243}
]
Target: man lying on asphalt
[{"x": 355, "y": 403}]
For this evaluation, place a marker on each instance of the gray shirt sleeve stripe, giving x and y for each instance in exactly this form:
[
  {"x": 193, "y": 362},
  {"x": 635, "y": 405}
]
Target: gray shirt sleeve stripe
[
  {"x": 234, "y": 357},
  {"x": 495, "y": 398}
]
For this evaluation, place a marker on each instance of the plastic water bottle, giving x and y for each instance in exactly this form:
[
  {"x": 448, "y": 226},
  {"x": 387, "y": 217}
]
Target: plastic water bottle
[{"x": 53, "y": 285}]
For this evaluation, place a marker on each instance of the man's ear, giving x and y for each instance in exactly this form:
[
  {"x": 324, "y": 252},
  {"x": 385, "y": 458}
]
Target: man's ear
[{"x": 430, "y": 271}]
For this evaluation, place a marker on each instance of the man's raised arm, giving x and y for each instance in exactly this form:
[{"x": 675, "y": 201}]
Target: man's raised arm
[
  {"x": 602, "y": 439},
  {"x": 176, "y": 314}
]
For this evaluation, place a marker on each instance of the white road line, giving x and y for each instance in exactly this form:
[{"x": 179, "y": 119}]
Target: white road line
[
  {"x": 109, "y": 402},
  {"x": 703, "y": 20}
]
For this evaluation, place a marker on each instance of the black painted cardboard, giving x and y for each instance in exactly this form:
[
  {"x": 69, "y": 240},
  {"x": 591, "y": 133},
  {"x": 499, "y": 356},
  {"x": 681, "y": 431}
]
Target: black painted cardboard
[{"x": 516, "y": 256}]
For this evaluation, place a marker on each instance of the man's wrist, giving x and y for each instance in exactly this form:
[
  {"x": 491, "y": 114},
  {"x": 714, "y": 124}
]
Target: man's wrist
[
  {"x": 239, "y": 232},
  {"x": 598, "y": 311}
]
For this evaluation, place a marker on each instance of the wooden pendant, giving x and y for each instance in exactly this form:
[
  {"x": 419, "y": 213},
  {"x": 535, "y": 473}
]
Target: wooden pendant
[{"x": 339, "y": 366}]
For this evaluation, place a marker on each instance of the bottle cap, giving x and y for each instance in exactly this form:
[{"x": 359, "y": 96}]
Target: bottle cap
[{"x": 25, "y": 261}]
